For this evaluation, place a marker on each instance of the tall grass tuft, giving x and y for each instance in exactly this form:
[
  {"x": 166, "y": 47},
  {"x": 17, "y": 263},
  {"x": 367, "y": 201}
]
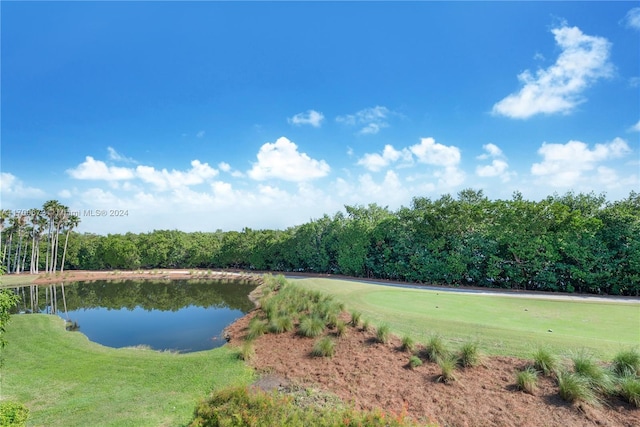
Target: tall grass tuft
[
  {"x": 545, "y": 361},
  {"x": 341, "y": 328},
  {"x": 469, "y": 355},
  {"x": 447, "y": 366},
  {"x": 382, "y": 333},
  {"x": 280, "y": 324},
  {"x": 257, "y": 327},
  {"x": 414, "y": 362},
  {"x": 366, "y": 325},
  {"x": 247, "y": 351},
  {"x": 324, "y": 347},
  {"x": 311, "y": 326},
  {"x": 436, "y": 349},
  {"x": 576, "y": 388},
  {"x": 599, "y": 378},
  {"x": 408, "y": 344},
  {"x": 630, "y": 389},
  {"x": 627, "y": 362},
  {"x": 356, "y": 316},
  {"x": 527, "y": 380}
]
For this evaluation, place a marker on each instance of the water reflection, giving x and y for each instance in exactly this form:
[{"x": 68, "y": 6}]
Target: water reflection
[{"x": 179, "y": 315}]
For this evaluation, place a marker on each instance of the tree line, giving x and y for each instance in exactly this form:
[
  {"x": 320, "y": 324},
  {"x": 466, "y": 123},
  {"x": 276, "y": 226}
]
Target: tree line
[{"x": 566, "y": 243}]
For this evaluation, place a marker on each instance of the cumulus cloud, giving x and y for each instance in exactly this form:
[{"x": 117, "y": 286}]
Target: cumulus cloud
[
  {"x": 498, "y": 167},
  {"x": 12, "y": 187},
  {"x": 311, "y": 117},
  {"x": 375, "y": 161},
  {"x": 98, "y": 170},
  {"x": 282, "y": 160},
  {"x": 565, "y": 165},
  {"x": 636, "y": 127},
  {"x": 432, "y": 153},
  {"x": 558, "y": 89},
  {"x": 632, "y": 18},
  {"x": 164, "y": 179},
  {"x": 370, "y": 120}
]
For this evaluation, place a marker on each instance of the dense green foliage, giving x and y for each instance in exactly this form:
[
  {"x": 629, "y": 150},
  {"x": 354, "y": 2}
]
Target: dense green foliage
[
  {"x": 13, "y": 414},
  {"x": 570, "y": 243},
  {"x": 239, "y": 407}
]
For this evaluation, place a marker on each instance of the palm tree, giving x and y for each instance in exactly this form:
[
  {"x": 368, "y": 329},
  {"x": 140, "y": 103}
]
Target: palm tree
[
  {"x": 36, "y": 234},
  {"x": 20, "y": 221},
  {"x": 71, "y": 223},
  {"x": 4, "y": 214}
]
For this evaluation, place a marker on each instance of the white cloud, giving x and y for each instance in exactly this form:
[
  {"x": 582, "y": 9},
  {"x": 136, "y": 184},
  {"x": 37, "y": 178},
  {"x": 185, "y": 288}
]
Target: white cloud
[
  {"x": 433, "y": 153},
  {"x": 200, "y": 134},
  {"x": 98, "y": 170},
  {"x": 65, "y": 194},
  {"x": 164, "y": 179},
  {"x": 498, "y": 167},
  {"x": 558, "y": 89},
  {"x": 283, "y": 161},
  {"x": 375, "y": 162},
  {"x": 632, "y": 18},
  {"x": 370, "y": 120},
  {"x": 12, "y": 187},
  {"x": 224, "y": 166},
  {"x": 565, "y": 165},
  {"x": 115, "y": 156},
  {"x": 636, "y": 127},
  {"x": 311, "y": 117}
]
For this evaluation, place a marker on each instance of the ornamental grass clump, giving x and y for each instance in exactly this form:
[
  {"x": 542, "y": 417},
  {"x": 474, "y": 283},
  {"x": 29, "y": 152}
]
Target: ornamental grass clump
[
  {"x": 280, "y": 324},
  {"x": 341, "y": 328},
  {"x": 324, "y": 347},
  {"x": 447, "y": 366},
  {"x": 414, "y": 362},
  {"x": 355, "y": 318},
  {"x": 247, "y": 351},
  {"x": 469, "y": 355},
  {"x": 627, "y": 362},
  {"x": 408, "y": 344},
  {"x": 629, "y": 389},
  {"x": 576, "y": 388},
  {"x": 599, "y": 378},
  {"x": 311, "y": 326},
  {"x": 257, "y": 327},
  {"x": 436, "y": 349},
  {"x": 545, "y": 361},
  {"x": 527, "y": 380},
  {"x": 382, "y": 333}
]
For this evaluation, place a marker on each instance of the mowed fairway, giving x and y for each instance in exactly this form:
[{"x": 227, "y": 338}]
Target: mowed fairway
[
  {"x": 66, "y": 380},
  {"x": 502, "y": 325}
]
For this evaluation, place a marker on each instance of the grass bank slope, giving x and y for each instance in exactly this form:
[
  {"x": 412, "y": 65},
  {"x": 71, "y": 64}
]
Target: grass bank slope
[
  {"x": 502, "y": 325},
  {"x": 66, "y": 380}
]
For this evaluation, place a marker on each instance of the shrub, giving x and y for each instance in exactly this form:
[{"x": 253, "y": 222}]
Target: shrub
[
  {"x": 247, "y": 351},
  {"x": 355, "y": 318},
  {"x": 436, "y": 349},
  {"x": 469, "y": 355},
  {"x": 257, "y": 327},
  {"x": 311, "y": 326},
  {"x": 627, "y": 362},
  {"x": 630, "y": 389},
  {"x": 13, "y": 414},
  {"x": 382, "y": 334},
  {"x": 447, "y": 366},
  {"x": 527, "y": 380},
  {"x": 545, "y": 362},
  {"x": 324, "y": 347},
  {"x": 408, "y": 344},
  {"x": 414, "y": 362},
  {"x": 576, "y": 388},
  {"x": 281, "y": 324}
]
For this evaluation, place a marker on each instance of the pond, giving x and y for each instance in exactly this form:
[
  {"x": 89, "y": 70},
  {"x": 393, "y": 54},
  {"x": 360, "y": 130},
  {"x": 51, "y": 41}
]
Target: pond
[{"x": 176, "y": 315}]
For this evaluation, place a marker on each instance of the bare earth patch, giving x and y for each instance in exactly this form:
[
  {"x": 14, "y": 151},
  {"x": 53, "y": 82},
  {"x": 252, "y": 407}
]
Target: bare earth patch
[{"x": 373, "y": 375}]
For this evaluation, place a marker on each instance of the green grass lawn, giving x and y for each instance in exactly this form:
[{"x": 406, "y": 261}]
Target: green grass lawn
[
  {"x": 502, "y": 325},
  {"x": 12, "y": 280},
  {"x": 66, "y": 380}
]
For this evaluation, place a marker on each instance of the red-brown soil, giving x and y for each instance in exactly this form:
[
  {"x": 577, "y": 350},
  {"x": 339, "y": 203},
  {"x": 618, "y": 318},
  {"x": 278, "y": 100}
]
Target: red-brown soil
[{"x": 373, "y": 375}]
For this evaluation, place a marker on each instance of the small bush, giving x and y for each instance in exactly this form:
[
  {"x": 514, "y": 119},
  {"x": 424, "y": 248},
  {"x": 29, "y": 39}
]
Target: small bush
[
  {"x": 247, "y": 351},
  {"x": 627, "y": 362},
  {"x": 447, "y": 366},
  {"x": 527, "y": 380},
  {"x": 382, "y": 333},
  {"x": 281, "y": 324},
  {"x": 257, "y": 327},
  {"x": 13, "y": 414},
  {"x": 324, "y": 347},
  {"x": 408, "y": 344},
  {"x": 311, "y": 326},
  {"x": 630, "y": 389},
  {"x": 355, "y": 318},
  {"x": 545, "y": 361},
  {"x": 436, "y": 349},
  {"x": 469, "y": 355},
  {"x": 576, "y": 388},
  {"x": 414, "y": 362}
]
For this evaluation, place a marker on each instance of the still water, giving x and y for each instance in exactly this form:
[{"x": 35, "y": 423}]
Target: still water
[{"x": 177, "y": 315}]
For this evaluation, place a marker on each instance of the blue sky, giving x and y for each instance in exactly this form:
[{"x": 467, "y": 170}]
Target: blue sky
[{"x": 220, "y": 115}]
